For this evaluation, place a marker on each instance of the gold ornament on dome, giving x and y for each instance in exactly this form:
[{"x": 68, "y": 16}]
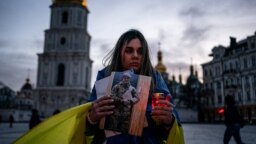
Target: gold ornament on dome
[
  {"x": 160, "y": 67},
  {"x": 82, "y": 2}
]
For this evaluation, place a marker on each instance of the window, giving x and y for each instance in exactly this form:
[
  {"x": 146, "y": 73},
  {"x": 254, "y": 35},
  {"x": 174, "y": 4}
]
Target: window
[
  {"x": 217, "y": 56},
  {"x": 237, "y": 65},
  {"x": 61, "y": 75},
  {"x": 64, "y": 18},
  {"x": 231, "y": 66},
  {"x": 62, "y": 40},
  {"x": 252, "y": 45},
  {"x": 225, "y": 67},
  {"x": 75, "y": 78},
  {"x": 219, "y": 99},
  {"x": 213, "y": 100},
  {"x": 237, "y": 81},
  {"x": 45, "y": 78},
  {"x": 240, "y": 97},
  {"x": 216, "y": 70},
  {"x": 79, "y": 18},
  {"x": 253, "y": 60},
  {"x": 254, "y": 79},
  {"x": 218, "y": 85},
  {"x": 232, "y": 81},
  {"x": 248, "y": 95},
  {"x": 205, "y": 73},
  {"x": 245, "y": 63},
  {"x": 247, "y": 84},
  {"x": 255, "y": 95}
]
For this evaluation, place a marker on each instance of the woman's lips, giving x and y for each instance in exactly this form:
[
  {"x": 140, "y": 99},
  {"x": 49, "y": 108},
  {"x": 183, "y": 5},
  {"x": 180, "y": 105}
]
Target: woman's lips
[{"x": 134, "y": 64}]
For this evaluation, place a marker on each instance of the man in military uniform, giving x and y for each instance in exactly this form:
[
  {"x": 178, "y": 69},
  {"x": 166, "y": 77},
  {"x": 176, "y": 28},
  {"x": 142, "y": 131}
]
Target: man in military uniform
[{"x": 125, "y": 96}]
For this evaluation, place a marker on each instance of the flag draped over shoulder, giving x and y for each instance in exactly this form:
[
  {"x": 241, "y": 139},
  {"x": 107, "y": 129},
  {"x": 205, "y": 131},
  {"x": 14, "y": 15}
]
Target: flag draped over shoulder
[
  {"x": 176, "y": 135},
  {"x": 67, "y": 127}
]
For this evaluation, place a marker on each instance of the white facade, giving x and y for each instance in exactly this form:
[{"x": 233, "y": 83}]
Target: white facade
[
  {"x": 64, "y": 67},
  {"x": 233, "y": 71}
]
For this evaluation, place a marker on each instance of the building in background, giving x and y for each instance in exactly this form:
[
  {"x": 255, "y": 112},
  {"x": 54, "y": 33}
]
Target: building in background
[
  {"x": 160, "y": 66},
  {"x": 24, "y": 102},
  {"x": 64, "y": 67},
  {"x": 231, "y": 71},
  {"x": 186, "y": 97},
  {"x": 7, "y": 97}
]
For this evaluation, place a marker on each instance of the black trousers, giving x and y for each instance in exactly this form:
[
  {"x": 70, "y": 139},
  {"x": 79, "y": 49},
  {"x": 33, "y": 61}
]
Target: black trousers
[{"x": 232, "y": 130}]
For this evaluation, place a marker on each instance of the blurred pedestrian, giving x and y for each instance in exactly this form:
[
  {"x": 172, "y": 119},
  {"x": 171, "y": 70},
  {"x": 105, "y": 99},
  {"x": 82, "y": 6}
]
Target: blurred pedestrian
[
  {"x": 35, "y": 119},
  {"x": 232, "y": 121},
  {"x": 56, "y": 112},
  {"x": 11, "y": 120}
]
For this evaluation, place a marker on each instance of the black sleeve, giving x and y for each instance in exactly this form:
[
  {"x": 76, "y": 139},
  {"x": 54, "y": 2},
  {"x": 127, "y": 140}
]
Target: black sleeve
[
  {"x": 164, "y": 130},
  {"x": 90, "y": 128},
  {"x": 93, "y": 130}
]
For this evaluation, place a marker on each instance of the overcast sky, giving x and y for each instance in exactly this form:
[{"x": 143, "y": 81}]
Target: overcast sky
[{"x": 186, "y": 29}]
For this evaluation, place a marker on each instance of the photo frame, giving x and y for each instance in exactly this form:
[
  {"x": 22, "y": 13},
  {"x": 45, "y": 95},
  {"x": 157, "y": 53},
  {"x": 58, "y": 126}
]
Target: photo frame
[{"x": 130, "y": 102}]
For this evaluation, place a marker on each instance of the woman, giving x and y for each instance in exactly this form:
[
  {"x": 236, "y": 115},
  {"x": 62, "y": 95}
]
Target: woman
[{"x": 131, "y": 52}]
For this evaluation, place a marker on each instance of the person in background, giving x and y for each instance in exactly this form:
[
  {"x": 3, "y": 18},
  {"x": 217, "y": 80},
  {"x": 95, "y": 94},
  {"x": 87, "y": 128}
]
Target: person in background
[
  {"x": 35, "y": 119},
  {"x": 11, "y": 120},
  {"x": 56, "y": 112},
  {"x": 132, "y": 52},
  {"x": 232, "y": 119}
]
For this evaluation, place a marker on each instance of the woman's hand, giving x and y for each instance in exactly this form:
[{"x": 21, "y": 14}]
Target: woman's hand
[
  {"x": 162, "y": 112},
  {"x": 100, "y": 108}
]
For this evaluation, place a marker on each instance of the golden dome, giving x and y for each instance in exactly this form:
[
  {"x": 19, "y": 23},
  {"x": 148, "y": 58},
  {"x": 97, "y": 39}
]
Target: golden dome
[
  {"x": 82, "y": 2},
  {"x": 160, "y": 67}
]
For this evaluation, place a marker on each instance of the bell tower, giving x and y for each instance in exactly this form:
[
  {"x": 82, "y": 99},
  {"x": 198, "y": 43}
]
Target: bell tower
[{"x": 64, "y": 67}]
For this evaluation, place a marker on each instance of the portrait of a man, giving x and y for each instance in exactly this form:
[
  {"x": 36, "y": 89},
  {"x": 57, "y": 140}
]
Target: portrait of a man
[{"x": 124, "y": 96}]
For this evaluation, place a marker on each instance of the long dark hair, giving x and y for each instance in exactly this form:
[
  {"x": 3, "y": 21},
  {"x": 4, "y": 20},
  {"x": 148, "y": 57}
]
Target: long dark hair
[{"x": 113, "y": 59}]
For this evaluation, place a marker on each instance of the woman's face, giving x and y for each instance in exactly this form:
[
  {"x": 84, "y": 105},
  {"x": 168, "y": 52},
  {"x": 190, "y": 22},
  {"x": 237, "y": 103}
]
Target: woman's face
[{"x": 131, "y": 55}]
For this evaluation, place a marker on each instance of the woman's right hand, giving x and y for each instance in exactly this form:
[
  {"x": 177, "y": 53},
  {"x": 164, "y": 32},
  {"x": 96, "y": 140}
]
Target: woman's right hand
[{"x": 101, "y": 107}]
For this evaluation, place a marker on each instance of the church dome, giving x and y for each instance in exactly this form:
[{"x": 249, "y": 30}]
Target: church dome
[
  {"x": 82, "y": 2},
  {"x": 27, "y": 85},
  {"x": 192, "y": 79},
  {"x": 160, "y": 66}
]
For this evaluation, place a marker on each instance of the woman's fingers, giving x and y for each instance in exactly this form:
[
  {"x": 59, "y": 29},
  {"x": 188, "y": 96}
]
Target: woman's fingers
[
  {"x": 101, "y": 108},
  {"x": 103, "y": 101},
  {"x": 163, "y": 111},
  {"x": 105, "y": 108}
]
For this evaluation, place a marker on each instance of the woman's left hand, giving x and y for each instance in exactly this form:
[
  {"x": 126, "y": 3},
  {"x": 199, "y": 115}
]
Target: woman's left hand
[{"x": 162, "y": 112}]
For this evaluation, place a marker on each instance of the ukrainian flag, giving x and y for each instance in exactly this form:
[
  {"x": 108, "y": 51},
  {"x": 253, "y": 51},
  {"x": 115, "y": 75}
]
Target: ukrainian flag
[{"x": 68, "y": 127}]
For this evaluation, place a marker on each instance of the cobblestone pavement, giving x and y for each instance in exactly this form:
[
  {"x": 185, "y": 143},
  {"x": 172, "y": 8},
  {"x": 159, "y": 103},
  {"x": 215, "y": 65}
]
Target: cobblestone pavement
[{"x": 194, "y": 133}]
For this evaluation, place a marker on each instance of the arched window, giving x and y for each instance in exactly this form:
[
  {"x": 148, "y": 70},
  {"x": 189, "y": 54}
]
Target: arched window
[
  {"x": 62, "y": 40},
  {"x": 64, "y": 18},
  {"x": 61, "y": 75}
]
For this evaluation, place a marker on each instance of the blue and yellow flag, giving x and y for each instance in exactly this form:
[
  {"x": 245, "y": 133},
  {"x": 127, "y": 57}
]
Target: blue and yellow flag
[{"x": 67, "y": 127}]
